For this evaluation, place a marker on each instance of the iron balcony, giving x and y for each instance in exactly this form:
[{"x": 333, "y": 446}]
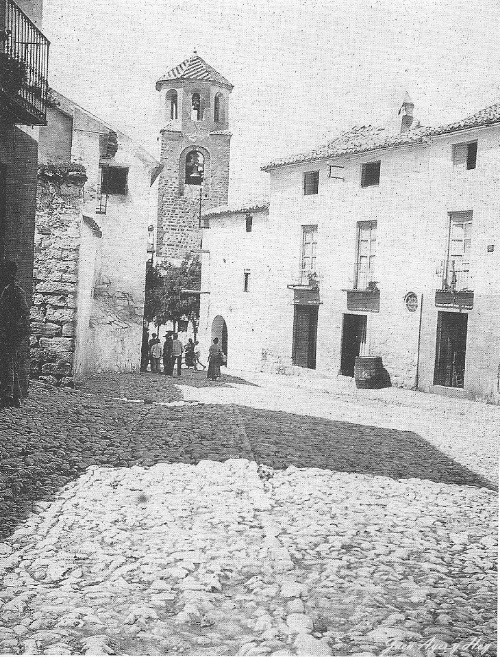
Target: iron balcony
[{"x": 24, "y": 56}]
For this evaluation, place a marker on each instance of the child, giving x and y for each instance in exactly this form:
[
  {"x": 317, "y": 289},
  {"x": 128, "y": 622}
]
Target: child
[{"x": 197, "y": 357}]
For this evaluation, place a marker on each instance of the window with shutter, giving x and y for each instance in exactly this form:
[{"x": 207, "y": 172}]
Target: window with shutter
[
  {"x": 366, "y": 254},
  {"x": 370, "y": 174},
  {"x": 464, "y": 155},
  {"x": 457, "y": 275},
  {"x": 309, "y": 245},
  {"x": 311, "y": 182}
]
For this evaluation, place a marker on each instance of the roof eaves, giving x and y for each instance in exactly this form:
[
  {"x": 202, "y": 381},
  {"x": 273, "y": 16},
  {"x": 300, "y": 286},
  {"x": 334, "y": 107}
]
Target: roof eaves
[{"x": 222, "y": 210}]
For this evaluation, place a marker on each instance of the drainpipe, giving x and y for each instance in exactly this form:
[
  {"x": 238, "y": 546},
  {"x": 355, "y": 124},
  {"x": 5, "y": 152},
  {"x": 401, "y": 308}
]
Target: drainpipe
[{"x": 418, "y": 343}]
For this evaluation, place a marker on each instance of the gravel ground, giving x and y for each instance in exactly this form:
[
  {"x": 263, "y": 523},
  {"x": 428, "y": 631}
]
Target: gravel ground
[
  {"x": 214, "y": 529},
  {"x": 229, "y": 559}
]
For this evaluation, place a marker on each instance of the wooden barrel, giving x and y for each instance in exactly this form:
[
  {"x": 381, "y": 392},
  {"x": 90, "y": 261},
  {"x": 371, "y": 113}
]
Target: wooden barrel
[{"x": 368, "y": 372}]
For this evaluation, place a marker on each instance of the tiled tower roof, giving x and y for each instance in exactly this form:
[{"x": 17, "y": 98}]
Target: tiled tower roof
[{"x": 195, "y": 68}]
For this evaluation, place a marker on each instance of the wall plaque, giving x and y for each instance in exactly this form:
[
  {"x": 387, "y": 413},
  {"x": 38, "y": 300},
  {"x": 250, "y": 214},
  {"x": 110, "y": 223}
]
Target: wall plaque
[{"x": 411, "y": 301}]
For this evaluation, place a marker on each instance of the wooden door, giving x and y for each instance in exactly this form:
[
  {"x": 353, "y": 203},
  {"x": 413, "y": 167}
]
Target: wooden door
[
  {"x": 305, "y": 328},
  {"x": 451, "y": 342},
  {"x": 353, "y": 342}
]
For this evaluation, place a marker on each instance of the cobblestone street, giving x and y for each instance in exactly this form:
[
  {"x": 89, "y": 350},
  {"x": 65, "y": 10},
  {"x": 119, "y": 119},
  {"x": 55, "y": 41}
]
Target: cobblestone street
[{"x": 148, "y": 515}]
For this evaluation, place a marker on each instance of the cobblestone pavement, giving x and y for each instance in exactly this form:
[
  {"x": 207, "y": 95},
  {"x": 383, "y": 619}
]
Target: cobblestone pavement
[{"x": 162, "y": 528}]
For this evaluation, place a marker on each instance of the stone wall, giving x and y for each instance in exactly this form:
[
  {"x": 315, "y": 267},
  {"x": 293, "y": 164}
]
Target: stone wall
[
  {"x": 178, "y": 204},
  {"x": 57, "y": 237}
]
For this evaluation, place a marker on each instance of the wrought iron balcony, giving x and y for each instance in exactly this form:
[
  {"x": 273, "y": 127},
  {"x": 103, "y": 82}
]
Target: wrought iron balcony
[{"x": 24, "y": 56}]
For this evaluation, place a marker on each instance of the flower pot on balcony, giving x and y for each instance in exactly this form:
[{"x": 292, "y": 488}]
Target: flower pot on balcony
[{"x": 12, "y": 73}]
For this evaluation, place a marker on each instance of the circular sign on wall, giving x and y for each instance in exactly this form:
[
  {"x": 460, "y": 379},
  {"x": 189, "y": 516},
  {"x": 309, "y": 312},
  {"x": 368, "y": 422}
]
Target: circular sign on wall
[{"x": 411, "y": 302}]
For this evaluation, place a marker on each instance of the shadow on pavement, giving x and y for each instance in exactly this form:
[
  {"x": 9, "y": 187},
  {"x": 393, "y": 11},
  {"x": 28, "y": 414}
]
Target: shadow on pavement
[
  {"x": 58, "y": 434},
  {"x": 154, "y": 387},
  {"x": 280, "y": 439}
]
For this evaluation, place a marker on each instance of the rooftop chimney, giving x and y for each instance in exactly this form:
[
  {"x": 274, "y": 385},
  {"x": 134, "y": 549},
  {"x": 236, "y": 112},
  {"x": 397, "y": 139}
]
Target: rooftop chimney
[{"x": 407, "y": 110}]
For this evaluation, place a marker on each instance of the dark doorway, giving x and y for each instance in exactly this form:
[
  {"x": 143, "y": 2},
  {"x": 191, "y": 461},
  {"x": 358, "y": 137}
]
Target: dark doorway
[
  {"x": 305, "y": 328},
  {"x": 219, "y": 330},
  {"x": 353, "y": 341},
  {"x": 451, "y": 342},
  {"x": 3, "y": 197}
]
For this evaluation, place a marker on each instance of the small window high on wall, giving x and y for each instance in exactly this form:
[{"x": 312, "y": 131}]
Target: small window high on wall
[
  {"x": 114, "y": 180},
  {"x": 311, "y": 182},
  {"x": 196, "y": 107},
  {"x": 195, "y": 168}
]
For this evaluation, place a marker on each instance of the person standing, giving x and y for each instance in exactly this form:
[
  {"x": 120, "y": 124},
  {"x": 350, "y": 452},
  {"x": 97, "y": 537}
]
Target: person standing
[
  {"x": 214, "y": 360},
  {"x": 145, "y": 350},
  {"x": 177, "y": 350},
  {"x": 197, "y": 354},
  {"x": 168, "y": 357},
  {"x": 156, "y": 354},
  {"x": 14, "y": 328},
  {"x": 153, "y": 340},
  {"x": 189, "y": 353}
]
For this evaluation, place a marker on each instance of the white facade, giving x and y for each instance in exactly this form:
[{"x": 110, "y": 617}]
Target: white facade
[
  {"x": 108, "y": 221},
  {"x": 419, "y": 189}
]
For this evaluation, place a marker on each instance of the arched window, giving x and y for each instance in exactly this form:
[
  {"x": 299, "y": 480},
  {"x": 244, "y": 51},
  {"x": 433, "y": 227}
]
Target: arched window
[
  {"x": 195, "y": 168},
  {"x": 195, "y": 107},
  {"x": 218, "y": 108},
  {"x": 171, "y": 105}
]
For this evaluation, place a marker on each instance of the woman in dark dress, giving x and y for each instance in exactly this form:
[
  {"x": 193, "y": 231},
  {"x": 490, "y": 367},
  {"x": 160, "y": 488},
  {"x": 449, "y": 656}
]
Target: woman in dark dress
[
  {"x": 214, "y": 360},
  {"x": 189, "y": 353}
]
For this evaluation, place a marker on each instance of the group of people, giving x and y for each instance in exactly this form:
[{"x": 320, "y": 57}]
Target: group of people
[{"x": 172, "y": 351}]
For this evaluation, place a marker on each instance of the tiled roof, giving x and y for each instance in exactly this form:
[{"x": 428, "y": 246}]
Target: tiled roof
[
  {"x": 486, "y": 116},
  {"x": 362, "y": 139},
  {"x": 234, "y": 208},
  {"x": 195, "y": 68}
]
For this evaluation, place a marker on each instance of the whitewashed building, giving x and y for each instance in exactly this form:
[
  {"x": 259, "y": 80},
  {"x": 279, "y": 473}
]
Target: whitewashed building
[
  {"x": 95, "y": 210},
  {"x": 382, "y": 243}
]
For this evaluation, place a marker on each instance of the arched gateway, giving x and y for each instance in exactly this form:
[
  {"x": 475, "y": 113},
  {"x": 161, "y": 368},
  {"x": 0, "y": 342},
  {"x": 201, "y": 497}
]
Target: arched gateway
[{"x": 219, "y": 330}]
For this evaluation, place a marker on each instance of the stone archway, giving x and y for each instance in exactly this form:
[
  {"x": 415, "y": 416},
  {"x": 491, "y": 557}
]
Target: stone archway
[{"x": 219, "y": 330}]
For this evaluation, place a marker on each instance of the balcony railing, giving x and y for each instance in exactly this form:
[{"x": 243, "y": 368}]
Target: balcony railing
[
  {"x": 457, "y": 275},
  {"x": 24, "y": 56}
]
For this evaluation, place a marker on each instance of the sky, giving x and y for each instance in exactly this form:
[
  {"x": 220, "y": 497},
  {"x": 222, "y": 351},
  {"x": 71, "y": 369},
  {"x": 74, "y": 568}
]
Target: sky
[{"x": 303, "y": 70}]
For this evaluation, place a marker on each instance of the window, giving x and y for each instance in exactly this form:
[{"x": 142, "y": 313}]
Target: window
[
  {"x": 308, "y": 259},
  {"x": 114, "y": 180},
  {"x": 173, "y": 105},
  {"x": 195, "y": 107},
  {"x": 311, "y": 182},
  {"x": 370, "y": 174},
  {"x": 457, "y": 270},
  {"x": 218, "y": 108},
  {"x": 246, "y": 278},
  {"x": 367, "y": 248},
  {"x": 195, "y": 168},
  {"x": 248, "y": 223},
  {"x": 464, "y": 155}
]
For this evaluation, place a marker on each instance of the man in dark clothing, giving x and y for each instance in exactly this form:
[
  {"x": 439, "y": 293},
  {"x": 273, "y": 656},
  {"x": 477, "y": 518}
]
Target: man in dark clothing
[
  {"x": 153, "y": 340},
  {"x": 145, "y": 350},
  {"x": 168, "y": 358},
  {"x": 14, "y": 329}
]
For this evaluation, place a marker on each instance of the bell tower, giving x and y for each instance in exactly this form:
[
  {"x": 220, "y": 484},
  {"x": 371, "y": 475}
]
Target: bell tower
[{"x": 195, "y": 141}]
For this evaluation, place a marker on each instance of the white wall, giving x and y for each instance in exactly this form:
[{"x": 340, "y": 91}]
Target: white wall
[{"x": 419, "y": 187}]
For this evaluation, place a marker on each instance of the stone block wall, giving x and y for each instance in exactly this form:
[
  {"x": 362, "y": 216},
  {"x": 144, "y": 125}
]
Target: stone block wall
[
  {"x": 178, "y": 205},
  {"x": 57, "y": 239}
]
